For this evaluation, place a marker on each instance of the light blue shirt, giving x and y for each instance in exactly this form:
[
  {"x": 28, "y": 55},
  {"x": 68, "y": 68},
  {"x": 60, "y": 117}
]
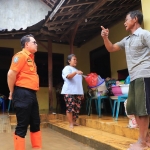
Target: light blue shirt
[{"x": 74, "y": 85}]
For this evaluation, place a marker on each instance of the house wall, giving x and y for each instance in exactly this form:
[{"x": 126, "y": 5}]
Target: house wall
[{"x": 146, "y": 12}]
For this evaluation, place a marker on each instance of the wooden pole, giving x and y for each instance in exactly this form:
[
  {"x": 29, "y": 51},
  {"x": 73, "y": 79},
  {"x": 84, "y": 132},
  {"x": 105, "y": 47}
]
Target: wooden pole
[
  {"x": 71, "y": 47},
  {"x": 72, "y": 36},
  {"x": 50, "y": 77}
]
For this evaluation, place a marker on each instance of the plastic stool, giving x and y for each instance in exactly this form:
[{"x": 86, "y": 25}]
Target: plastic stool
[{"x": 118, "y": 100}]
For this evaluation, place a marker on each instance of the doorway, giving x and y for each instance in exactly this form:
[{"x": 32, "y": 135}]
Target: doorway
[
  {"x": 100, "y": 62},
  {"x": 5, "y": 61}
]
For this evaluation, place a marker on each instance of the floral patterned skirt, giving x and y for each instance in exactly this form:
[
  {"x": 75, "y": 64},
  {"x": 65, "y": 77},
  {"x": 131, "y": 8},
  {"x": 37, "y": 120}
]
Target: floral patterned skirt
[{"x": 73, "y": 104}]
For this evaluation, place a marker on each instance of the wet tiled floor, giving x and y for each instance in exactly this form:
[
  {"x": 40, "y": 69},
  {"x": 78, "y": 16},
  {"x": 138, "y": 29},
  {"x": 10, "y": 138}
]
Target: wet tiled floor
[
  {"x": 51, "y": 139},
  {"x": 5, "y": 124}
]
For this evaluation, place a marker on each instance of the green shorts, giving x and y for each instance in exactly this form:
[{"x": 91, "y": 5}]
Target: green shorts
[{"x": 138, "y": 102}]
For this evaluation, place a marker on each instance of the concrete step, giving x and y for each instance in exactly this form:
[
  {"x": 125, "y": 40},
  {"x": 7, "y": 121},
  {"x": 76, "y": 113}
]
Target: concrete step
[
  {"x": 42, "y": 125},
  {"x": 43, "y": 117},
  {"x": 105, "y": 123},
  {"x": 95, "y": 138},
  {"x": 13, "y": 120}
]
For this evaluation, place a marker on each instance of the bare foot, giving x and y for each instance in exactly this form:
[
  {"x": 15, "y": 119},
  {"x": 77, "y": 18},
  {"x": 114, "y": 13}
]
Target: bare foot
[
  {"x": 75, "y": 124},
  {"x": 137, "y": 142},
  {"x": 71, "y": 126},
  {"x": 148, "y": 139},
  {"x": 138, "y": 146}
]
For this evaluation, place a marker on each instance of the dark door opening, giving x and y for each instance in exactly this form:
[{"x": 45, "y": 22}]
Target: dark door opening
[
  {"x": 100, "y": 62},
  {"x": 5, "y": 61},
  {"x": 41, "y": 60}
]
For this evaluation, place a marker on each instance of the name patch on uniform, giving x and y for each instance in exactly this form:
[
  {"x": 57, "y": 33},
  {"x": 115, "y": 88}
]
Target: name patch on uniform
[
  {"x": 29, "y": 60},
  {"x": 16, "y": 59}
]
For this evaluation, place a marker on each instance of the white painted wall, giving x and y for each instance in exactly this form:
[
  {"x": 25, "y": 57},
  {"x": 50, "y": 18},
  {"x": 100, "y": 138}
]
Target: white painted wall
[{"x": 16, "y": 14}]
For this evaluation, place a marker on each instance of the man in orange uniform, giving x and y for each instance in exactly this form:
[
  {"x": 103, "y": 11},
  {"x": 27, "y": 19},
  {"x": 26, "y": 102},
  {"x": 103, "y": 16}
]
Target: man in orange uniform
[{"x": 23, "y": 82}]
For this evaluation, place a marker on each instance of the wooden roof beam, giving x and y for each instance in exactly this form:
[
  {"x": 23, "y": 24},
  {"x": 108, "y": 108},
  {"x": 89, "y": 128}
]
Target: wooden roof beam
[
  {"x": 107, "y": 14},
  {"x": 46, "y": 37},
  {"x": 58, "y": 27},
  {"x": 80, "y": 30},
  {"x": 67, "y": 26},
  {"x": 92, "y": 10},
  {"x": 51, "y": 15},
  {"x": 49, "y": 2},
  {"x": 46, "y": 32},
  {"x": 119, "y": 6},
  {"x": 69, "y": 12},
  {"x": 56, "y": 9},
  {"x": 54, "y": 1},
  {"x": 89, "y": 28},
  {"x": 78, "y": 4},
  {"x": 60, "y": 22},
  {"x": 72, "y": 36},
  {"x": 14, "y": 33}
]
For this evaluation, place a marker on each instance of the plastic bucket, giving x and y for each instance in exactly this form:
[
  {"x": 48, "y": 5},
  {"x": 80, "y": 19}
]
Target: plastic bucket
[
  {"x": 116, "y": 90},
  {"x": 124, "y": 88}
]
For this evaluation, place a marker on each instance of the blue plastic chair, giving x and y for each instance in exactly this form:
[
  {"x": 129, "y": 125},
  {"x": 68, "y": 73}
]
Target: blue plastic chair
[
  {"x": 2, "y": 101},
  {"x": 100, "y": 98},
  {"x": 118, "y": 100},
  {"x": 9, "y": 104},
  {"x": 88, "y": 104},
  {"x": 98, "y": 101},
  {"x": 127, "y": 80}
]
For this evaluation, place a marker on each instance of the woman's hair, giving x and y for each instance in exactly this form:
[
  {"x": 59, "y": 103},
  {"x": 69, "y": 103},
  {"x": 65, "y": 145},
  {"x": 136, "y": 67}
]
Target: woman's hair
[
  {"x": 69, "y": 58},
  {"x": 138, "y": 14},
  {"x": 25, "y": 39}
]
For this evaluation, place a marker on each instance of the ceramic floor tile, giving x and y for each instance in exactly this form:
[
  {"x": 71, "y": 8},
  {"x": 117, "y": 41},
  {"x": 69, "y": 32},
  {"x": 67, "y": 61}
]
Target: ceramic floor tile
[{"x": 51, "y": 140}]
